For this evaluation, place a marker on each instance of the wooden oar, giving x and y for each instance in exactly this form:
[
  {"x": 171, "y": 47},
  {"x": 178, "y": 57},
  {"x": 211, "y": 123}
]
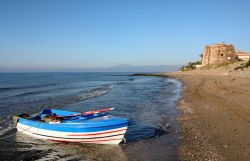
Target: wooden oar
[{"x": 87, "y": 113}]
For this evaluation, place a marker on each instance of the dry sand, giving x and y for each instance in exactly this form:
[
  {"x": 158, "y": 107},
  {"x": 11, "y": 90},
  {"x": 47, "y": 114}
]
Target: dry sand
[{"x": 215, "y": 116}]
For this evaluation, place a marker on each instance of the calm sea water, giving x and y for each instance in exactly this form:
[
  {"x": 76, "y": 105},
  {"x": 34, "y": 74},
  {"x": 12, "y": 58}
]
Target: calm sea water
[{"x": 148, "y": 102}]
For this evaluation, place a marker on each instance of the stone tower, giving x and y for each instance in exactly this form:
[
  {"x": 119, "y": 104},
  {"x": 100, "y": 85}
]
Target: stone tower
[{"x": 218, "y": 53}]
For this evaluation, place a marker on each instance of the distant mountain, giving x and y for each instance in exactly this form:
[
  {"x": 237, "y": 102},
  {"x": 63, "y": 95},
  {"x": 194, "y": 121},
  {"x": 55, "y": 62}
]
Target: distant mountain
[
  {"x": 118, "y": 68},
  {"x": 146, "y": 68},
  {"x": 131, "y": 68}
]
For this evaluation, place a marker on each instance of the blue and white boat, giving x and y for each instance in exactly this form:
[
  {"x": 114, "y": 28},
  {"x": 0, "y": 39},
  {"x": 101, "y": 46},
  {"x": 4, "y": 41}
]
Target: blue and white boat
[{"x": 65, "y": 126}]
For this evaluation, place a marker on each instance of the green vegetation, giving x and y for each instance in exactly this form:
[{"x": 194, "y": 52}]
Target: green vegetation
[
  {"x": 242, "y": 66},
  {"x": 247, "y": 64},
  {"x": 190, "y": 66},
  {"x": 214, "y": 66},
  {"x": 226, "y": 63}
]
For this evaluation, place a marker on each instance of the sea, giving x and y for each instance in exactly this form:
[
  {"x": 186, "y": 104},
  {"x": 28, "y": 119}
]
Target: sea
[{"x": 148, "y": 102}]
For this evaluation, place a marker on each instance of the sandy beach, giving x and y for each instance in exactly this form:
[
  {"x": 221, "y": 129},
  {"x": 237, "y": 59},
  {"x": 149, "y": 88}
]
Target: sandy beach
[{"x": 215, "y": 114}]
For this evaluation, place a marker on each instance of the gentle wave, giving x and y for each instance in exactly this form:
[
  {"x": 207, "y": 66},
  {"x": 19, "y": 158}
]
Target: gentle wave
[
  {"x": 95, "y": 92},
  {"x": 4, "y": 89},
  {"x": 91, "y": 94},
  {"x": 31, "y": 93},
  {"x": 8, "y": 88}
]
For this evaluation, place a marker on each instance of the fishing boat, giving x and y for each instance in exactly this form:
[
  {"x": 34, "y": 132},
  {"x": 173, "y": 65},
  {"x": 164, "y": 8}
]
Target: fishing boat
[{"x": 96, "y": 126}]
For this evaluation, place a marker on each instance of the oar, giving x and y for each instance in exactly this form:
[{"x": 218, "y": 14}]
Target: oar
[{"x": 87, "y": 113}]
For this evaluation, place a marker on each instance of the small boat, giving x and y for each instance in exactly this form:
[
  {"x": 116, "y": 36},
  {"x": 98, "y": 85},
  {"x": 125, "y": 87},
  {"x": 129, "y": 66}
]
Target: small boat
[{"x": 95, "y": 126}]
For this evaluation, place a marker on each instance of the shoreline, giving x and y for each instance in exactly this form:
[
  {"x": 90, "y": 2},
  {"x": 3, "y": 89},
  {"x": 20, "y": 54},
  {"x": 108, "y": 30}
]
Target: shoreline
[{"x": 214, "y": 116}]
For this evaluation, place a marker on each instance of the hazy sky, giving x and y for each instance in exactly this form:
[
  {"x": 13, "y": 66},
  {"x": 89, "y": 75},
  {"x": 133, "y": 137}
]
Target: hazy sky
[{"x": 101, "y": 33}]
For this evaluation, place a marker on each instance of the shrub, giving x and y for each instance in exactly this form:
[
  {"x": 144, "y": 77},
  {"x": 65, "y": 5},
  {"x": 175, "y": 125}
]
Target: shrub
[
  {"x": 242, "y": 66},
  {"x": 190, "y": 66},
  {"x": 247, "y": 64}
]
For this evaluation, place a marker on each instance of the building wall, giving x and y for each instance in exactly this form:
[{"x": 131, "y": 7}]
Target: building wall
[
  {"x": 243, "y": 55},
  {"x": 218, "y": 53}
]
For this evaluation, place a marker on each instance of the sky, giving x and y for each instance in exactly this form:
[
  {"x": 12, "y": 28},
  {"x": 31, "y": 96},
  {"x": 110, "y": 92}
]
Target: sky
[{"x": 101, "y": 33}]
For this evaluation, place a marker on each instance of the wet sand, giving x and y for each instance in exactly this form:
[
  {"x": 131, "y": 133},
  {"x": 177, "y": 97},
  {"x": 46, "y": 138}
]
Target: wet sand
[{"x": 215, "y": 117}]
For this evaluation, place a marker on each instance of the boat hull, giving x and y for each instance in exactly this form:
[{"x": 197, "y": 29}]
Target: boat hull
[
  {"x": 98, "y": 129},
  {"x": 113, "y": 136}
]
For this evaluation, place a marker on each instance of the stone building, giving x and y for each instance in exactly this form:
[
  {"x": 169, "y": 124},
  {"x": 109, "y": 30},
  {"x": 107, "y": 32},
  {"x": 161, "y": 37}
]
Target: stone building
[
  {"x": 218, "y": 53},
  {"x": 243, "y": 55}
]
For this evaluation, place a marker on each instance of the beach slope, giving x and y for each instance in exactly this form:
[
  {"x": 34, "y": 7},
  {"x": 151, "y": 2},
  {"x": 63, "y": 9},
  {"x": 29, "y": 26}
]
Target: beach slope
[{"x": 215, "y": 117}]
